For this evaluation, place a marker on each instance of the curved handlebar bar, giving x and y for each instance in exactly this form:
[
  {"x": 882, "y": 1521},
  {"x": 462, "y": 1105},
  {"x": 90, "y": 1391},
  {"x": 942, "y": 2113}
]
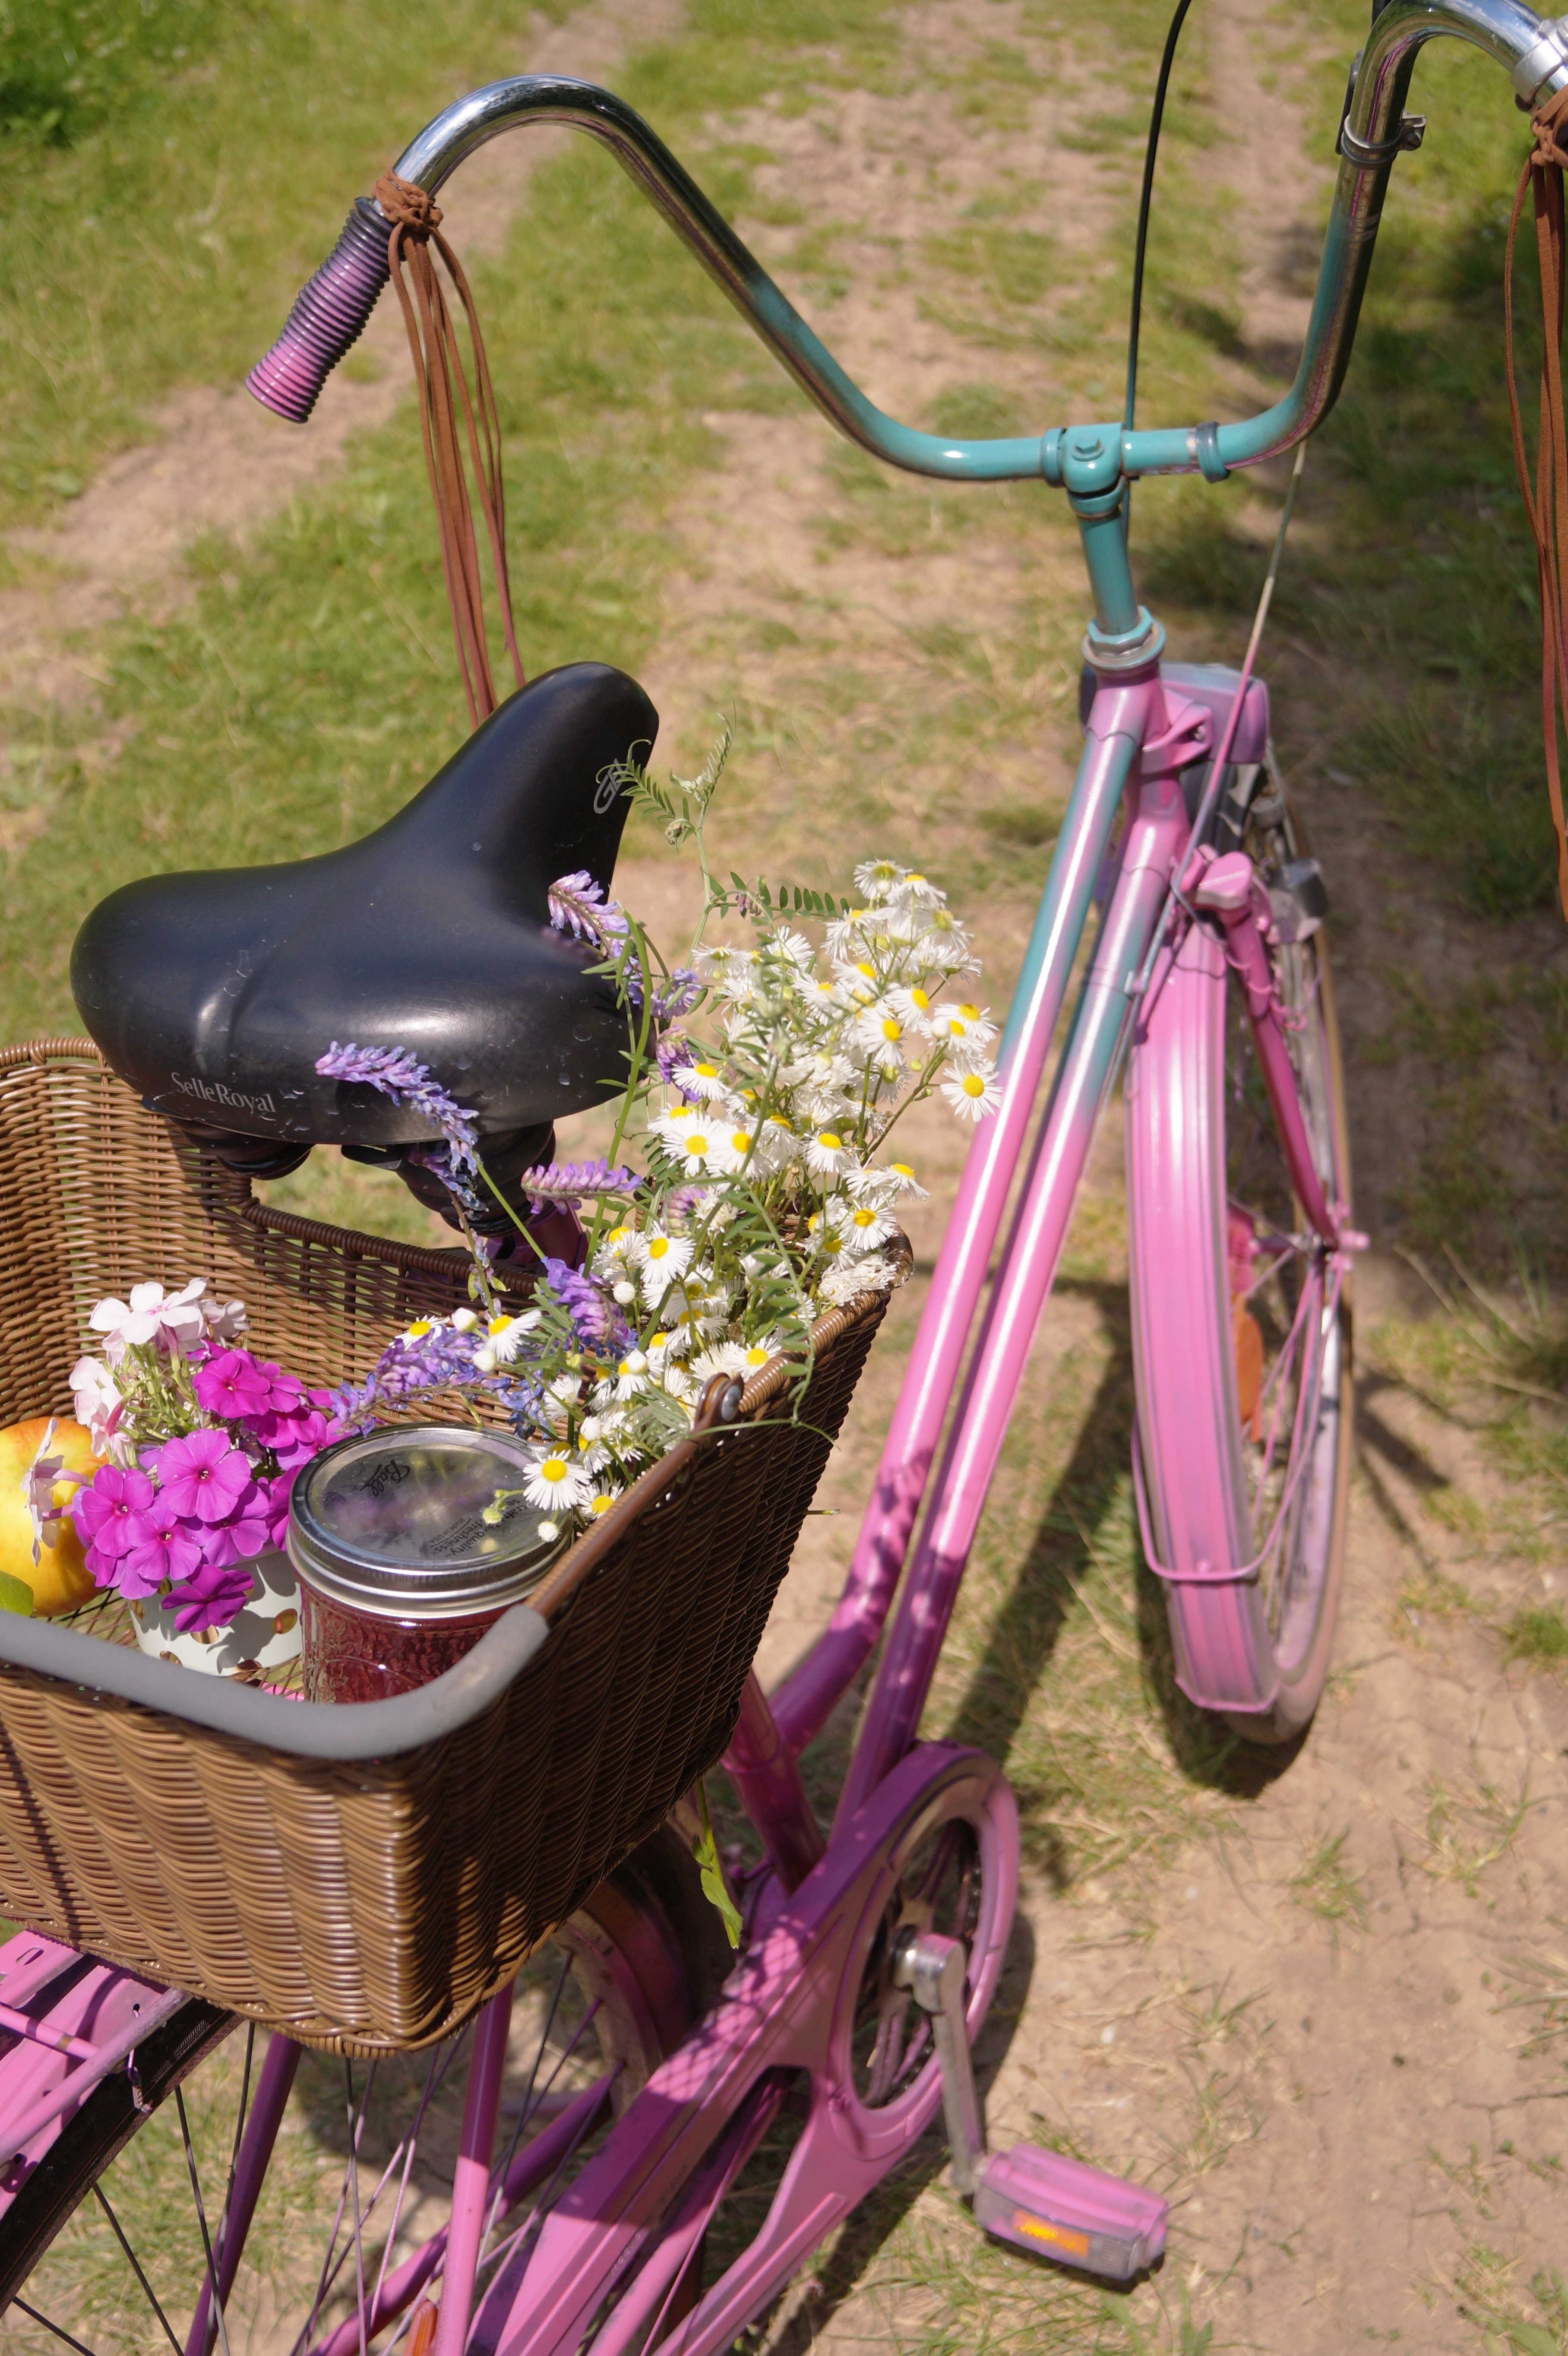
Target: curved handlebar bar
[{"x": 333, "y": 308}]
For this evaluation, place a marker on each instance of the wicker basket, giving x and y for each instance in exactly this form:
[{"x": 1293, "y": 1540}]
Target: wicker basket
[{"x": 366, "y": 1907}]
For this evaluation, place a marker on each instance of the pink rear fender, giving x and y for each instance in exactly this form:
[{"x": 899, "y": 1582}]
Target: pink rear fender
[{"x": 1183, "y": 1355}]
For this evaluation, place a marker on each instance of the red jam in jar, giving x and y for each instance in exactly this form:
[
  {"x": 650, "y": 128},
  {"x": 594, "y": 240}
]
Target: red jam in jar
[{"x": 400, "y": 1573}]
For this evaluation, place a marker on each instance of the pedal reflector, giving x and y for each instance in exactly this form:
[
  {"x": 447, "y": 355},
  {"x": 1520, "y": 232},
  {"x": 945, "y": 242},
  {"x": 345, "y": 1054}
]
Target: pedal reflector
[{"x": 1078, "y": 2215}]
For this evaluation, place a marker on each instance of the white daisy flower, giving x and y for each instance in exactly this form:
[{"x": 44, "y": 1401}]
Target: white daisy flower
[
  {"x": 700, "y": 1151},
  {"x": 701, "y": 1080},
  {"x": 886, "y": 1181},
  {"x": 847, "y": 1278},
  {"x": 878, "y": 1030},
  {"x": 972, "y": 1095},
  {"x": 945, "y": 941},
  {"x": 605, "y": 1494},
  {"x": 504, "y": 1337},
  {"x": 912, "y": 1004},
  {"x": 861, "y": 1225},
  {"x": 978, "y": 1018},
  {"x": 828, "y": 1156},
  {"x": 877, "y": 879},
  {"x": 675, "y": 1125},
  {"x": 665, "y": 1257},
  {"x": 554, "y": 1483},
  {"x": 914, "y": 887},
  {"x": 631, "y": 1375},
  {"x": 842, "y": 939}
]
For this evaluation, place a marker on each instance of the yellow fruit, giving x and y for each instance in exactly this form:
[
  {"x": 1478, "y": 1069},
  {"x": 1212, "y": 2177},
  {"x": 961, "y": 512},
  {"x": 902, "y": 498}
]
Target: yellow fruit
[{"x": 59, "y": 1579}]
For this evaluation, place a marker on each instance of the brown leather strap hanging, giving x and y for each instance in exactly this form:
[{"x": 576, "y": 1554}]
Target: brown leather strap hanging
[
  {"x": 443, "y": 391},
  {"x": 1547, "y": 507}
]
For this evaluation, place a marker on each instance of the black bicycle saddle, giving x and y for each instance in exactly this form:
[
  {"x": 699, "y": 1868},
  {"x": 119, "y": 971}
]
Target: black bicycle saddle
[{"x": 214, "y": 993}]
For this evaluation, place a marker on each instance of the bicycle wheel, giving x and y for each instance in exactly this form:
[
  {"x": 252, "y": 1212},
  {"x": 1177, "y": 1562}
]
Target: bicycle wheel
[
  {"x": 601, "y": 2004},
  {"x": 1242, "y": 1322}
]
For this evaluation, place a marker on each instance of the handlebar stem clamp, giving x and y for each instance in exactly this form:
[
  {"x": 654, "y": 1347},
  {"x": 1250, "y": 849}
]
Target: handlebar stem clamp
[{"x": 1365, "y": 152}]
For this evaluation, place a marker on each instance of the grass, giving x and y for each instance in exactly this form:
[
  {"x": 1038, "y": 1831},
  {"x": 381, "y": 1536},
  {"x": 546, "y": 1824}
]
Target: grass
[
  {"x": 1469, "y": 1831},
  {"x": 1326, "y": 1886}
]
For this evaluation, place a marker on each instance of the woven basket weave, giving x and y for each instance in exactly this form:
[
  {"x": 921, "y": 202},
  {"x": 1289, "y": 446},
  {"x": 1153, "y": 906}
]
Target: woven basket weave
[{"x": 370, "y": 1908}]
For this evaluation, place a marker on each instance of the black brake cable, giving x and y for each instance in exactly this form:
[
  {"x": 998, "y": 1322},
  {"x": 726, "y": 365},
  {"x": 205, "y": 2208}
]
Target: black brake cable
[{"x": 1150, "y": 151}]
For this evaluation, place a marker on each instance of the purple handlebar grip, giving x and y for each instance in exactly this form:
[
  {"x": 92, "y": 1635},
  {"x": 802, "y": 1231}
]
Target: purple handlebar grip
[{"x": 330, "y": 312}]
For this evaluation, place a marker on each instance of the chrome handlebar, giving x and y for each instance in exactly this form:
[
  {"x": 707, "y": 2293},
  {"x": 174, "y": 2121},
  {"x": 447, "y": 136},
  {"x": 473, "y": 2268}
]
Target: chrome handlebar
[{"x": 333, "y": 308}]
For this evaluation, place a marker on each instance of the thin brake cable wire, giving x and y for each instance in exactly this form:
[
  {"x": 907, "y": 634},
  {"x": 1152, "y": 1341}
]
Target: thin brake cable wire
[
  {"x": 1146, "y": 198},
  {"x": 1222, "y": 750}
]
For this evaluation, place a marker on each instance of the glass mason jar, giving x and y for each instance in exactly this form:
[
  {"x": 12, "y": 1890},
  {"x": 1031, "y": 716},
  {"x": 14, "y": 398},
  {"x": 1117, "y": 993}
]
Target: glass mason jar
[{"x": 400, "y": 1571}]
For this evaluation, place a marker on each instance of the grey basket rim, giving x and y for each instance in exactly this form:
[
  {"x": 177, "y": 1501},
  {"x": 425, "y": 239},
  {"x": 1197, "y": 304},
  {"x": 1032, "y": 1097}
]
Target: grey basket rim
[{"x": 331, "y": 1733}]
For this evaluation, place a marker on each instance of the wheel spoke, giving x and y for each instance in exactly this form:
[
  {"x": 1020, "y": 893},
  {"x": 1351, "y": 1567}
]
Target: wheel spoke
[
  {"x": 202, "y": 2220},
  {"x": 135, "y": 2264},
  {"x": 79, "y": 2345}
]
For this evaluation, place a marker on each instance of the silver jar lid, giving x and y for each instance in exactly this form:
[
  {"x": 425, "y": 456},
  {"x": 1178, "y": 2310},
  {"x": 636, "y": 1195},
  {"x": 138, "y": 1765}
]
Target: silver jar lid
[{"x": 393, "y": 1523}]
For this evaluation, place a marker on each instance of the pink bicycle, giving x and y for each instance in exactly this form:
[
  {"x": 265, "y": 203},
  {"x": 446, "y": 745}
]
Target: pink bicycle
[{"x": 637, "y": 2070}]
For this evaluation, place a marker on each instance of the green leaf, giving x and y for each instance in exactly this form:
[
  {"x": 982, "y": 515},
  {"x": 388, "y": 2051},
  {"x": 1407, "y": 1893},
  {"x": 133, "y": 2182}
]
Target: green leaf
[
  {"x": 16, "y": 1595},
  {"x": 705, "y": 1850},
  {"x": 1534, "y": 2339}
]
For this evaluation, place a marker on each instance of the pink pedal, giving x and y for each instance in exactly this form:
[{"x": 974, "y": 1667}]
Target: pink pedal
[{"x": 1060, "y": 2209}]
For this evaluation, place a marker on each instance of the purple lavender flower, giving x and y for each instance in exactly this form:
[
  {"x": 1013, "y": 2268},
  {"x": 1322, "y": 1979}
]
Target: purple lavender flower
[
  {"x": 595, "y": 1320},
  {"x": 570, "y": 1182},
  {"x": 678, "y": 995},
  {"x": 395, "y": 1073},
  {"x": 581, "y": 907},
  {"x": 403, "y": 1369},
  {"x": 674, "y": 1050}
]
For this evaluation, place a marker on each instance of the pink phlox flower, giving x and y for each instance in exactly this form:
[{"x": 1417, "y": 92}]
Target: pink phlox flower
[
  {"x": 37, "y": 1486},
  {"x": 161, "y": 1547},
  {"x": 241, "y": 1539},
  {"x": 174, "y": 1321},
  {"x": 294, "y": 1438},
  {"x": 225, "y": 1321},
  {"x": 229, "y": 1382},
  {"x": 211, "y": 1598},
  {"x": 277, "y": 1508},
  {"x": 203, "y": 1475},
  {"x": 95, "y": 1397},
  {"x": 106, "y": 1509}
]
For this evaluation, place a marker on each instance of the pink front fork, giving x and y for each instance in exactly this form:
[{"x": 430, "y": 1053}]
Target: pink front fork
[{"x": 1229, "y": 887}]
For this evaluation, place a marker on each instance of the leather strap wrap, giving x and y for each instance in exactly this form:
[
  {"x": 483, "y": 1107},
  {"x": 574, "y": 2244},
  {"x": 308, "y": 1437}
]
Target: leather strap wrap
[
  {"x": 444, "y": 396},
  {"x": 1546, "y": 506}
]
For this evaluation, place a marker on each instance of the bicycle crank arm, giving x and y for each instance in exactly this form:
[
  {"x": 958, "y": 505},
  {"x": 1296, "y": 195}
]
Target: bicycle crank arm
[
  {"x": 1054, "y": 2207},
  {"x": 789, "y": 2007}
]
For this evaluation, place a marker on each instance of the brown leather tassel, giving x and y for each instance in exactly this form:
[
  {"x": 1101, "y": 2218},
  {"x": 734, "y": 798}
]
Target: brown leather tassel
[
  {"x": 1547, "y": 509},
  {"x": 443, "y": 391}
]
